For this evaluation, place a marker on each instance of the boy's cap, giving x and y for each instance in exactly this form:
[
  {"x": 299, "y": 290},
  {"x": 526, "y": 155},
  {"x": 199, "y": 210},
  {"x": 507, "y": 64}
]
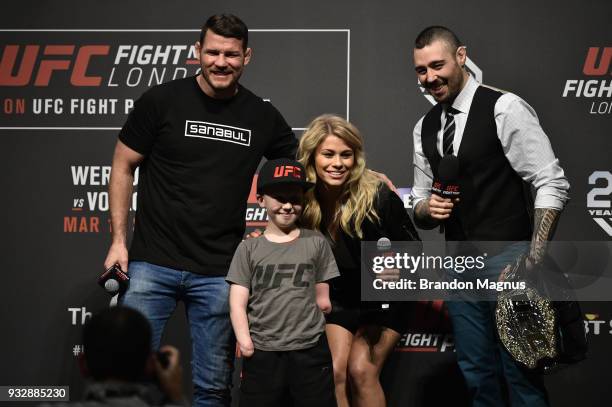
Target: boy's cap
[{"x": 282, "y": 171}]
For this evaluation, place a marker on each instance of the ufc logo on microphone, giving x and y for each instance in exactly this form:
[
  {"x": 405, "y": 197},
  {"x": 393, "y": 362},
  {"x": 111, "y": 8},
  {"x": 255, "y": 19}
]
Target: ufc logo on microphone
[
  {"x": 452, "y": 188},
  {"x": 74, "y": 62},
  {"x": 286, "y": 170}
]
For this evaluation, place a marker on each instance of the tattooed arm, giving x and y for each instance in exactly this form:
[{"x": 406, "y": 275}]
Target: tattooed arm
[
  {"x": 530, "y": 154},
  {"x": 545, "y": 223}
]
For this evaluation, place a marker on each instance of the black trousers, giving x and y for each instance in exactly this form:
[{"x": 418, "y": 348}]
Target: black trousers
[{"x": 299, "y": 378}]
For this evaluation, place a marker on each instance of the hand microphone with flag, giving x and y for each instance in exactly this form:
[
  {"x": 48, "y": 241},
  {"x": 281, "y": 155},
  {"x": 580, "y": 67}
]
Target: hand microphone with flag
[
  {"x": 114, "y": 281},
  {"x": 446, "y": 185}
]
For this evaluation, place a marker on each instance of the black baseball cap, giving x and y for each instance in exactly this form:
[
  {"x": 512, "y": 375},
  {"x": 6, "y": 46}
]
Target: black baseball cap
[{"x": 282, "y": 171}]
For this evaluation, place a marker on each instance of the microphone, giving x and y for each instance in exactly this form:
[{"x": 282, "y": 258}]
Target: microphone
[
  {"x": 114, "y": 280},
  {"x": 384, "y": 245},
  {"x": 111, "y": 286},
  {"x": 446, "y": 185}
]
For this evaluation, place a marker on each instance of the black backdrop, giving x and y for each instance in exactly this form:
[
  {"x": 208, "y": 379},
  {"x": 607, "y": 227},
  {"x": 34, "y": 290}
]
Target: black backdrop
[{"x": 347, "y": 57}]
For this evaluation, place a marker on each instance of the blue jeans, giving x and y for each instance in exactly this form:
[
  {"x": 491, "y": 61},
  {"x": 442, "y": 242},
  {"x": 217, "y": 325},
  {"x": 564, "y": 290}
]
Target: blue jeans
[
  {"x": 155, "y": 291},
  {"x": 486, "y": 365}
]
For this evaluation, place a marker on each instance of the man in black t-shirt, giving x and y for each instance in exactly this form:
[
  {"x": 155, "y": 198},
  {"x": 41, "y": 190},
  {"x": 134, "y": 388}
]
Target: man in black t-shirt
[{"x": 198, "y": 142}]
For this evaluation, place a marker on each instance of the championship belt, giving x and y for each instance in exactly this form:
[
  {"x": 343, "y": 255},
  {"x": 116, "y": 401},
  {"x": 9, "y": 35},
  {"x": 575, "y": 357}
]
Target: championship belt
[{"x": 527, "y": 321}]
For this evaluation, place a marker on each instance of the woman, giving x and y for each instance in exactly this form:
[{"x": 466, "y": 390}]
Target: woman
[{"x": 350, "y": 204}]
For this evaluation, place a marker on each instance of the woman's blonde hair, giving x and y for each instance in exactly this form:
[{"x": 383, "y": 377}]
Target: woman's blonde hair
[{"x": 357, "y": 198}]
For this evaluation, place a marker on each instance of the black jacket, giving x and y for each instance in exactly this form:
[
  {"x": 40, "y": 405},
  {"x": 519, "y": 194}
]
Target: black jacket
[{"x": 394, "y": 224}]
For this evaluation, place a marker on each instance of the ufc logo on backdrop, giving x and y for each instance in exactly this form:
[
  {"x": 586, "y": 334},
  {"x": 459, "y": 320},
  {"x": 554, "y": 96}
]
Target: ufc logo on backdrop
[
  {"x": 74, "y": 59},
  {"x": 597, "y": 63}
]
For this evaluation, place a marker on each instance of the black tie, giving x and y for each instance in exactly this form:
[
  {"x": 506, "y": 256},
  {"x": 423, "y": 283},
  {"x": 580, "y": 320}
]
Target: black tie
[{"x": 449, "y": 131}]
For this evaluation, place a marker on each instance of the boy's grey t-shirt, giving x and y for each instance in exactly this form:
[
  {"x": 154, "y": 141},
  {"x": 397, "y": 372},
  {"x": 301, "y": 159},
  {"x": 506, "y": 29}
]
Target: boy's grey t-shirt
[{"x": 281, "y": 277}]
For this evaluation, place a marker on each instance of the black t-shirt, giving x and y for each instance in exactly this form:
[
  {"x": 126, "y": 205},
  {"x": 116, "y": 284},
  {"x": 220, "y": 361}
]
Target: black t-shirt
[{"x": 201, "y": 154}]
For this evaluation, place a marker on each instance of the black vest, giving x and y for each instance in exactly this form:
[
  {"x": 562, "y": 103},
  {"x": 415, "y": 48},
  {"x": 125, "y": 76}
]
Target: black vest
[{"x": 495, "y": 203}]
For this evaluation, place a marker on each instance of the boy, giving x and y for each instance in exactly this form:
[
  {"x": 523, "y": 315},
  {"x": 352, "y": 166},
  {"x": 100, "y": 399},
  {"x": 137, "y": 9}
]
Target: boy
[{"x": 279, "y": 279}]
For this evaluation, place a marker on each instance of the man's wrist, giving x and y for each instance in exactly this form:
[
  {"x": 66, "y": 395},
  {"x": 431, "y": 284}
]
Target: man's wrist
[
  {"x": 119, "y": 240},
  {"x": 545, "y": 223},
  {"x": 422, "y": 216}
]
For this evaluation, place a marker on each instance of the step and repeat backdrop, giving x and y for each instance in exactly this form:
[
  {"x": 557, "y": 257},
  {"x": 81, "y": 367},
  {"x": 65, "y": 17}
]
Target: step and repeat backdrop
[{"x": 71, "y": 71}]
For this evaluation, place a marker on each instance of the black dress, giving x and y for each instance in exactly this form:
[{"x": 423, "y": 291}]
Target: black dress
[{"x": 348, "y": 310}]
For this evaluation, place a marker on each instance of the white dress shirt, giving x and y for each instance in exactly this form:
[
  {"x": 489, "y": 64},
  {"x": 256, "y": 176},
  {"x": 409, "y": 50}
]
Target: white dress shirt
[{"x": 525, "y": 145}]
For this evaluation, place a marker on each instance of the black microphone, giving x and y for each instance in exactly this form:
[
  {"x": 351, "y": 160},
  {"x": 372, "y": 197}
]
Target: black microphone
[{"x": 446, "y": 185}]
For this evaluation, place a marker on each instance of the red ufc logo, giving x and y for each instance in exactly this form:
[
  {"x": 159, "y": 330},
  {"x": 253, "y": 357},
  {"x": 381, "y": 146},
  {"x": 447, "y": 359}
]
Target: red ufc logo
[
  {"x": 286, "y": 170},
  {"x": 47, "y": 66},
  {"x": 603, "y": 68}
]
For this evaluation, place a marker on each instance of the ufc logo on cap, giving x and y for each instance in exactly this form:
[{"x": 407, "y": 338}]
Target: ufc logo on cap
[{"x": 285, "y": 170}]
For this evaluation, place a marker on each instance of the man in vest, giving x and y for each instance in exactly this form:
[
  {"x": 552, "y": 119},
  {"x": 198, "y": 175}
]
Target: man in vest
[{"x": 500, "y": 147}]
